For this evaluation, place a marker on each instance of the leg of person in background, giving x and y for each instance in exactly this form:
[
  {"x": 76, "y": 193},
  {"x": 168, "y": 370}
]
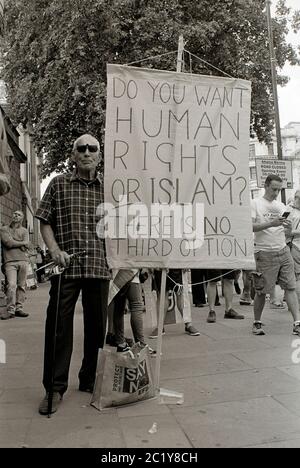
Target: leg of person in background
[
  {"x": 293, "y": 304},
  {"x": 154, "y": 333},
  {"x": 11, "y": 291},
  {"x": 211, "y": 297},
  {"x": 186, "y": 314},
  {"x": 198, "y": 290},
  {"x": 136, "y": 305},
  {"x": 275, "y": 298},
  {"x": 217, "y": 300},
  {"x": 110, "y": 338},
  {"x": 230, "y": 313},
  {"x": 236, "y": 283},
  {"x": 118, "y": 322},
  {"x": 259, "y": 304},
  {"x": 21, "y": 289},
  {"x": 245, "y": 299}
]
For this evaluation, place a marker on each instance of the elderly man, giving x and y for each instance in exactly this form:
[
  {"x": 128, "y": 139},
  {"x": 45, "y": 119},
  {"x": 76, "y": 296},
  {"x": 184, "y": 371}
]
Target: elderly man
[
  {"x": 68, "y": 226},
  {"x": 15, "y": 240}
]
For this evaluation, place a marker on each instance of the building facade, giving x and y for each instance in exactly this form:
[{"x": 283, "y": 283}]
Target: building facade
[{"x": 24, "y": 175}]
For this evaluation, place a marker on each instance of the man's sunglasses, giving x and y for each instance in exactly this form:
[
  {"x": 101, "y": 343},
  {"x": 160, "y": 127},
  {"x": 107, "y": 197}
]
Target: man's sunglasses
[{"x": 83, "y": 148}]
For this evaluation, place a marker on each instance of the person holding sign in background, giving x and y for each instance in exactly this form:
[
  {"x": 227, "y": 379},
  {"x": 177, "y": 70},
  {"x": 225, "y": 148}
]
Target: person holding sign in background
[{"x": 273, "y": 257}]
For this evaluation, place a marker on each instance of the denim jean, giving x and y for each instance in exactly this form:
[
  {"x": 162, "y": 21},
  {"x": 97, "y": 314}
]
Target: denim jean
[
  {"x": 94, "y": 302},
  {"x": 132, "y": 292},
  {"x": 16, "y": 274}
]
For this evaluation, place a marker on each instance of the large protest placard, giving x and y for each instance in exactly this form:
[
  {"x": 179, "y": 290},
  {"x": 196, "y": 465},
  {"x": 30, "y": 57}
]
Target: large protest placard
[{"x": 176, "y": 170}]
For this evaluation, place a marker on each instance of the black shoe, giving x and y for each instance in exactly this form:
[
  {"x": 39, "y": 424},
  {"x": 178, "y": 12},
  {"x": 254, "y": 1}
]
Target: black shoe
[
  {"x": 232, "y": 314},
  {"x": 20, "y": 313},
  {"x": 88, "y": 388},
  {"x": 111, "y": 341},
  {"x": 212, "y": 318},
  {"x": 56, "y": 400}
]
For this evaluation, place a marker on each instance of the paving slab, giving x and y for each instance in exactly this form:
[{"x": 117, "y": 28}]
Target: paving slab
[
  {"x": 197, "y": 366},
  {"x": 233, "y": 386},
  {"x": 94, "y": 430},
  {"x": 286, "y": 444},
  {"x": 277, "y": 357},
  {"x": 290, "y": 401},
  {"x": 169, "y": 433},
  {"x": 13, "y": 433},
  {"x": 237, "y": 424}
]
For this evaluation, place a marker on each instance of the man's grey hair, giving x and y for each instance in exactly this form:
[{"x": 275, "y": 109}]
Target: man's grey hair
[{"x": 82, "y": 136}]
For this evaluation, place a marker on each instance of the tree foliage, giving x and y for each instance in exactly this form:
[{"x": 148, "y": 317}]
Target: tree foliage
[{"x": 57, "y": 50}]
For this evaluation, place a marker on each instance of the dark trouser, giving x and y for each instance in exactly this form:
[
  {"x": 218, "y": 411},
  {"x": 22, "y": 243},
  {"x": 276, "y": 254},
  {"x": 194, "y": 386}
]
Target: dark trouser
[
  {"x": 94, "y": 302},
  {"x": 198, "y": 276}
]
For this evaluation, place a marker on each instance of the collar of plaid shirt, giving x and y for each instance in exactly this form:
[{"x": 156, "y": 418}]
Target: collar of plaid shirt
[{"x": 75, "y": 176}]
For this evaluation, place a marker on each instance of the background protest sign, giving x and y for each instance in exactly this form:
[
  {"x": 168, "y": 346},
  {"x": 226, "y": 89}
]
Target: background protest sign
[
  {"x": 176, "y": 170},
  {"x": 283, "y": 169}
]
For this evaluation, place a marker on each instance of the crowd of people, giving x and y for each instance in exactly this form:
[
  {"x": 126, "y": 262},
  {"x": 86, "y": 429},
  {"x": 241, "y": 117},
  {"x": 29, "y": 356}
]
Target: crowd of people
[{"x": 68, "y": 227}]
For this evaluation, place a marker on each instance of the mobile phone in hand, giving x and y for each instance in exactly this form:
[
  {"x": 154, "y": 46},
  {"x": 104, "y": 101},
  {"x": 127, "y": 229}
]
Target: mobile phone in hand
[{"x": 286, "y": 214}]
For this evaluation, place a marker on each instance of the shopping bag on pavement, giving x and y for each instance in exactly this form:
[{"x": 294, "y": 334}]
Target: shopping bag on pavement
[{"x": 123, "y": 378}]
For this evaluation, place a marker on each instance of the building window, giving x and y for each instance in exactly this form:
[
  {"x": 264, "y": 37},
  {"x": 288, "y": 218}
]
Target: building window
[
  {"x": 254, "y": 194},
  {"x": 253, "y": 173},
  {"x": 252, "y": 152},
  {"x": 271, "y": 149}
]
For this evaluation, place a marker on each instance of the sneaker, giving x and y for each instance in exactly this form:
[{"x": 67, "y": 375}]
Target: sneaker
[
  {"x": 277, "y": 305},
  {"x": 56, "y": 400},
  {"x": 21, "y": 313},
  {"x": 191, "y": 330},
  {"x": 151, "y": 351},
  {"x": 123, "y": 348},
  {"x": 296, "y": 328},
  {"x": 258, "y": 329},
  {"x": 6, "y": 316},
  {"x": 212, "y": 318},
  {"x": 233, "y": 315},
  {"x": 154, "y": 333},
  {"x": 245, "y": 302}
]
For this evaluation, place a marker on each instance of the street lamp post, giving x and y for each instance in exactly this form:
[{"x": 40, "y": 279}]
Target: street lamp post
[{"x": 274, "y": 86}]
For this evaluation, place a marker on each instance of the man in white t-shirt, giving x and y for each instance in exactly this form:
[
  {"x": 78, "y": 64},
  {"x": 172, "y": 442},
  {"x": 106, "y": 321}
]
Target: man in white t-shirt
[{"x": 274, "y": 262}]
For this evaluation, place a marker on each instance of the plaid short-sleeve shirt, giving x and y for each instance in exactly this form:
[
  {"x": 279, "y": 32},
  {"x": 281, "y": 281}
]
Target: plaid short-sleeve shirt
[{"x": 69, "y": 205}]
